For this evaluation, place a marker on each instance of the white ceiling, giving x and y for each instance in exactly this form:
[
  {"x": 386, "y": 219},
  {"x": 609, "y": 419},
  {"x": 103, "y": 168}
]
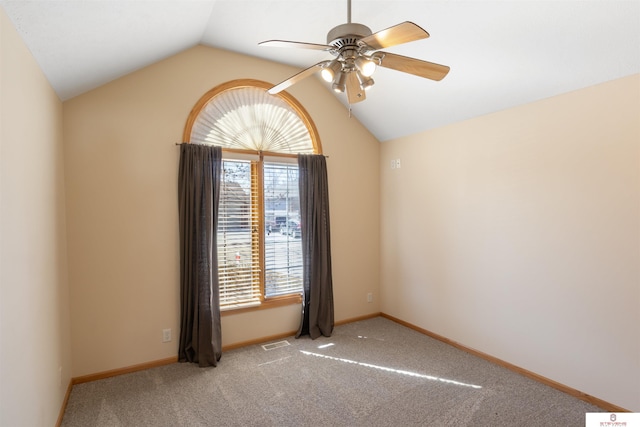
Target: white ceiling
[{"x": 501, "y": 53}]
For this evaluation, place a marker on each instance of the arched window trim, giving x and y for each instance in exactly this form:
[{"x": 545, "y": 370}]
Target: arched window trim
[{"x": 240, "y": 83}]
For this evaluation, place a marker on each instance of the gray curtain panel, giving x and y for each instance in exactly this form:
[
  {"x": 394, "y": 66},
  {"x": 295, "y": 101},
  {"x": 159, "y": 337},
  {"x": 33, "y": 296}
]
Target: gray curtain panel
[
  {"x": 317, "y": 305},
  {"x": 198, "y": 198}
]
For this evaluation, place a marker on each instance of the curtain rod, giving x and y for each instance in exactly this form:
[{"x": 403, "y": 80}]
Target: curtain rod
[{"x": 268, "y": 153}]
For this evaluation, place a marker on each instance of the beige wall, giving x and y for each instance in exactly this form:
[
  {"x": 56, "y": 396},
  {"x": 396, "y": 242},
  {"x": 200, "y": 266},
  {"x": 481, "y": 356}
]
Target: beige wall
[
  {"x": 518, "y": 234},
  {"x": 35, "y": 362},
  {"x": 121, "y": 176}
]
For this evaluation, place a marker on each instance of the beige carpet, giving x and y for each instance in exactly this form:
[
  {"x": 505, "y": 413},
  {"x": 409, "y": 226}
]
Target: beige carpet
[{"x": 369, "y": 373}]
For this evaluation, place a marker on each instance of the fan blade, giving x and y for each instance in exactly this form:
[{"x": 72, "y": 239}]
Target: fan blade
[
  {"x": 417, "y": 67},
  {"x": 296, "y": 78},
  {"x": 303, "y": 45},
  {"x": 354, "y": 92},
  {"x": 392, "y": 36}
]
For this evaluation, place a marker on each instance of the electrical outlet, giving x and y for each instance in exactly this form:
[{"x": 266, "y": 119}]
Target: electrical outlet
[
  {"x": 166, "y": 335},
  {"x": 397, "y": 163},
  {"x": 393, "y": 163},
  {"x": 369, "y": 297}
]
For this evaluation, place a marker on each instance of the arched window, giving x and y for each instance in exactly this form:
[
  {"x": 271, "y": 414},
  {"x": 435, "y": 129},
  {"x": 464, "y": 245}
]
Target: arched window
[
  {"x": 259, "y": 247},
  {"x": 241, "y": 116}
]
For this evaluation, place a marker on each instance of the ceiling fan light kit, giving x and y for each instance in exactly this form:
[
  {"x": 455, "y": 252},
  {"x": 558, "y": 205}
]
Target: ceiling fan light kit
[
  {"x": 357, "y": 55},
  {"x": 366, "y": 82},
  {"x": 340, "y": 82},
  {"x": 366, "y": 66},
  {"x": 330, "y": 70}
]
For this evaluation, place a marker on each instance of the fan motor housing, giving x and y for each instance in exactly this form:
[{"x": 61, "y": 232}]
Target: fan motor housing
[{"x": 347, "y": 35}]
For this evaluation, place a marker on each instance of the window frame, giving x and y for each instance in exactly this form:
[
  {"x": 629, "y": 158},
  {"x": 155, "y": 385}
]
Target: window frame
[{"x": 259, "y": 158}]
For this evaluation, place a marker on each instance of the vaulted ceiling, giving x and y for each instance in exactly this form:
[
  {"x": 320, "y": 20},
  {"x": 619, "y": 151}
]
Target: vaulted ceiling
[{"x": 501, "y": 53}]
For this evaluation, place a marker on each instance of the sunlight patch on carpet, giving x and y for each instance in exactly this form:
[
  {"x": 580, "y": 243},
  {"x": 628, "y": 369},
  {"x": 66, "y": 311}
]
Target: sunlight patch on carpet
[
  {"x": 326, "y": 345},
  {"x": 274, "y": 361},
  {"x": 396, "y": 371}
]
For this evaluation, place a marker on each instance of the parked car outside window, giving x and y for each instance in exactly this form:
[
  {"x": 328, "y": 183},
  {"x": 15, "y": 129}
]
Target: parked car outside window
[{"x": 291, "y": 228}]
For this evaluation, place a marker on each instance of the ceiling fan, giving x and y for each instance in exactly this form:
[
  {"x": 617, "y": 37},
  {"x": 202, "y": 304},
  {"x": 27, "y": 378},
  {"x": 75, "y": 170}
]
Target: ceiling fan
[{"x": 356, "y": 51}]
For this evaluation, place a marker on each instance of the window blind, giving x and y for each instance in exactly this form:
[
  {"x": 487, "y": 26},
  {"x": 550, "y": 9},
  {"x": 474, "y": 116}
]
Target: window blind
[
  {"x": 249, "y": 118},
  {"x": 238, "y": 242},
  {"x": 282, "y": 244}
]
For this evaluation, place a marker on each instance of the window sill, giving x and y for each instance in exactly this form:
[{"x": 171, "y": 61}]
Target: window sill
[{"x": 264, "y": 305}]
